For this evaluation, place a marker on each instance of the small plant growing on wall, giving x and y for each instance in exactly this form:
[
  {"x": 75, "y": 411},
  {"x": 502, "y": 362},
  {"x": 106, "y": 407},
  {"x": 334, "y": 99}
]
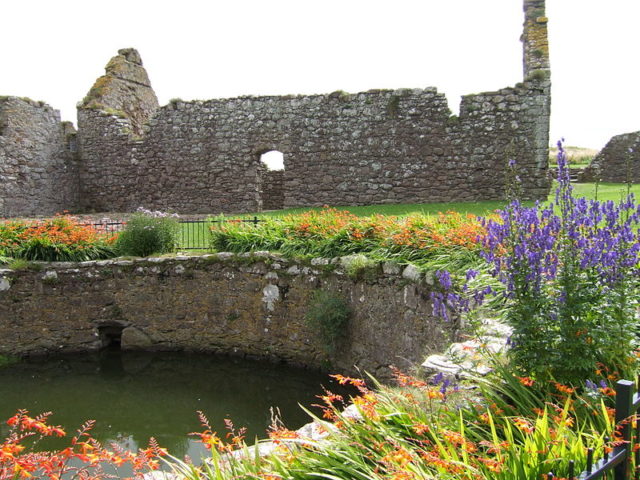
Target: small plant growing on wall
[
  {"x": 362, "y": 268},
  {"x": 148, "y": 233},
  {"x": 329, "y": 315}
]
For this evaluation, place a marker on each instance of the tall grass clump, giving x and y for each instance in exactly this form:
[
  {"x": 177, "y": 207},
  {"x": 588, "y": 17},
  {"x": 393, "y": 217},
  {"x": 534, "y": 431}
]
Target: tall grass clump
[
  {"x": 571, "y": 283},
  {"x": 148, "y": 233}
]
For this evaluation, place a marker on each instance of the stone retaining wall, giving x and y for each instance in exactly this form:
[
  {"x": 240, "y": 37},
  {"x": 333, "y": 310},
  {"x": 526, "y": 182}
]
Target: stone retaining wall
[{"x": 239, "y": 305}]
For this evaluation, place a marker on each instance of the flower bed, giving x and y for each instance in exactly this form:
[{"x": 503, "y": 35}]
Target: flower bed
[
  {"x": 59, "y": 239},
  {"x": 421, "y": 239}
]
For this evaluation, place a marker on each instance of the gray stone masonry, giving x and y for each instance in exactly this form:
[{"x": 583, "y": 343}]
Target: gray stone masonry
[
  {"x": 272, "y": 192},
  {"x": 381, "y": 146},
  {"x": 617, "y": 162},
  {"x": 124, "y": 90},
  {"x": 38, "y": 167}
]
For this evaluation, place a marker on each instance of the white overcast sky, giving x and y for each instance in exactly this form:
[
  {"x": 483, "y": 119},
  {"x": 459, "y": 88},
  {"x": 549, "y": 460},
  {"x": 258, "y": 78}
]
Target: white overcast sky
[{"x": 200, "y": 49}]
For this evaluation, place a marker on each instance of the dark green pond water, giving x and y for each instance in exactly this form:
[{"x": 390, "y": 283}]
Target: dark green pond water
[{"x": 134, "y": 396}]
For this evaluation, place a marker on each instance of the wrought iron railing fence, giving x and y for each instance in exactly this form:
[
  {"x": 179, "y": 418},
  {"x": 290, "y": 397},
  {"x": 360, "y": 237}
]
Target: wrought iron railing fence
[{"x": 193, "y": 234}]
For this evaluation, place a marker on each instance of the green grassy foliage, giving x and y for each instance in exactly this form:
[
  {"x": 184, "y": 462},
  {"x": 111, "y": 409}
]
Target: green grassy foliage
[
  {"x": 422, "y": 431},
  {"x": 605, "y": 191},
  {"x": 328, "y": 315},
  {"x": 147, "y": 235},
  {"x": 58, "y": 239}
]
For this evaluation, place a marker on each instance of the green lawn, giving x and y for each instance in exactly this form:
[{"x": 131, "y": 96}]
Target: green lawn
[
  {"x": 476, "y": 208},
  {"x": 606, "y": 191}
]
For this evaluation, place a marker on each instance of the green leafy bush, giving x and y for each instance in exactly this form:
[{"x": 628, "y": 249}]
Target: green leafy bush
[
  {"x": 148, "y": 233},
  {"x": 329, "y": 315}
]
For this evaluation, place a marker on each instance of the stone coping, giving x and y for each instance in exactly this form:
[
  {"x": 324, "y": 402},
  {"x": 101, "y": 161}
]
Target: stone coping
[{"x": 294, "y": 265}]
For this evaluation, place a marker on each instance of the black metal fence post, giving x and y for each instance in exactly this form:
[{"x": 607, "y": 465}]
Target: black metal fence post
[
  {"x": 619, "y": 461},
  {"x": 624, "y": 407}
]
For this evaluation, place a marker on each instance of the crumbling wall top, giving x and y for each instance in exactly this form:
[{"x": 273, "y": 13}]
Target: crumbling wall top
[{"x": 125, "y": 90}]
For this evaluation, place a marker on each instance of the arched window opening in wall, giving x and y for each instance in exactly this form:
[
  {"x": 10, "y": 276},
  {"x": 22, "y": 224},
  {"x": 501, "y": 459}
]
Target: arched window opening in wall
[
  {"x": 273, "y": 160},
  {"x": 272, "y": 180}
]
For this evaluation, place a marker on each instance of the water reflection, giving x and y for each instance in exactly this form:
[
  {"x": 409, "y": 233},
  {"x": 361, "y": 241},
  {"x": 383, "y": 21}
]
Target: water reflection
[{"x": 133, "y": 396}]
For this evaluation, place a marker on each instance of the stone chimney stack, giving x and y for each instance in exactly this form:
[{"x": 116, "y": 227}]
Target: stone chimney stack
[{"x": 535, "y": 42}]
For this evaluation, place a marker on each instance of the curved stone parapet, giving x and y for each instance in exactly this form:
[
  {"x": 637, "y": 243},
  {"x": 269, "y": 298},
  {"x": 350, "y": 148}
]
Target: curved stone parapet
[{"x": 250, "y": 305}]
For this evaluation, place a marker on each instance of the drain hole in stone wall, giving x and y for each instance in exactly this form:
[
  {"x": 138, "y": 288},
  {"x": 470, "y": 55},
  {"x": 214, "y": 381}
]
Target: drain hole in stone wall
[{"x": 110, "y": 336}]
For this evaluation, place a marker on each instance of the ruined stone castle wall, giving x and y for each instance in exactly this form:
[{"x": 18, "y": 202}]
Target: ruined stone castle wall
[
  {"x": 38, "y": 167},
  {"x": 374, "y": 147},
  {"x": 384, "y": 146},
  {"x": 617, "y": 162}
]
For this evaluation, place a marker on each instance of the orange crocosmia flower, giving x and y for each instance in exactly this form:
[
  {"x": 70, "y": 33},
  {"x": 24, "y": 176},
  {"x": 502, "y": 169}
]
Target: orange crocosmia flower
[
  {"x": 208, "y": 438},
  {"x": 453, "y": 437},
  {"x": 403, "y": 475},
  {"x": 330, "y": 398},
  {"x": 342, "y": 380},
  {"x": 494, "y": 448},
  {"x": 400, "y": 456},
  {"x": 13, "y": 421},
  {"x": 608, "y": 391},
  {"x": 283, "y": 434},
  {"x": 433, "y": 393},
  {"x": 329, "y": 414},
  {"x": 526, "y": 381},
  {"x": 564, "y": 388},
  {"x": 493, "y": 465},
  {"x": 523, "y": 424},
  {"x": 420, "y": 428},
  {"x": 366, "y": 404}
]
